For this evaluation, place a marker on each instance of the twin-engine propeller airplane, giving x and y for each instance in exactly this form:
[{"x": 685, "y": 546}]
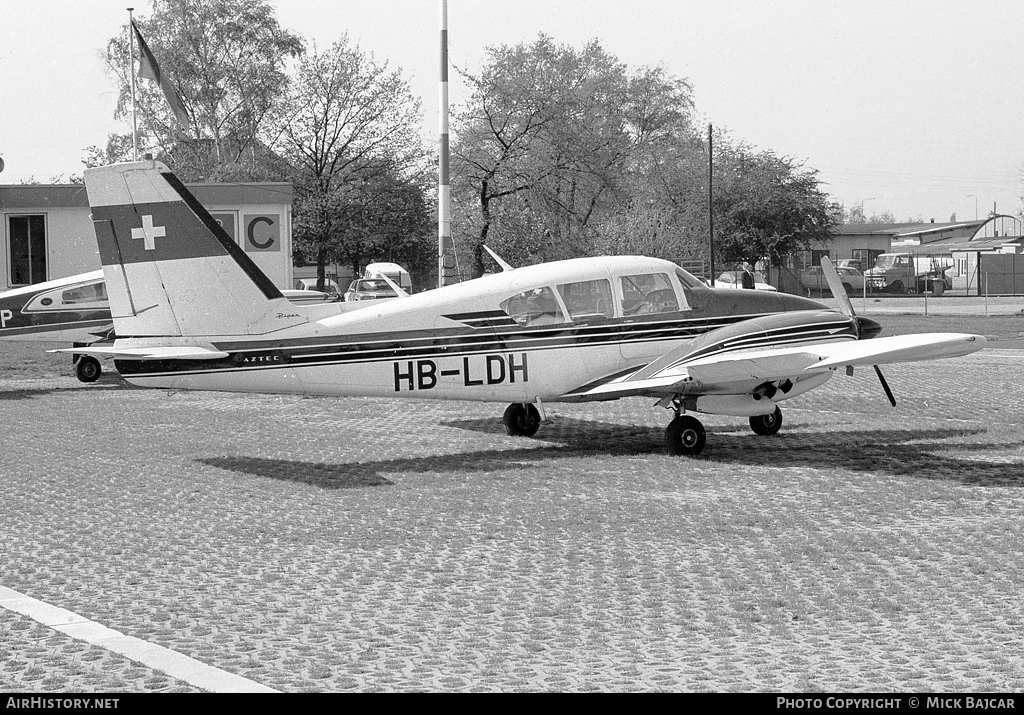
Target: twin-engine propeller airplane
[{"x": 192, "y": 312}]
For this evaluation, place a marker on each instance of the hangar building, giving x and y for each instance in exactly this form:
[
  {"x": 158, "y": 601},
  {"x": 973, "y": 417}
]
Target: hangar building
[{"x": 47, "y": 230}]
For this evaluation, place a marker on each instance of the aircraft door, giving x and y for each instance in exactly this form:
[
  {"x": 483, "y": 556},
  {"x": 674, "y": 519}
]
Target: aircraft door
[{"x": 649, "y": 304}]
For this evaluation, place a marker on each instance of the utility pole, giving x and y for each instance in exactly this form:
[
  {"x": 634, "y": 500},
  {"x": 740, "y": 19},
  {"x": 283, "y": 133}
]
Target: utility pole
[
  {"x": 711, "y": 210},
  {"x": 445, "y": 247}
]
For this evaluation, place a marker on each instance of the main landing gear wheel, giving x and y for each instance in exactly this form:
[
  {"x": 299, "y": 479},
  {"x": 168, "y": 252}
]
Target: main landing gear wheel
[
  {"x": 87, "y": 369},
  {"x": 521, "y": 420},
  {"x": 767, "y": 425},
  {"x": 685, "y": 436}
]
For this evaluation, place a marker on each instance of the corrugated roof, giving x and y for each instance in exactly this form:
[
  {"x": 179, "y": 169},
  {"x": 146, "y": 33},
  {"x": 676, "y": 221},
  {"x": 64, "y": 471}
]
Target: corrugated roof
[
  {"x": 949, "y": 245},
  {"x": 903, "y": 229}
]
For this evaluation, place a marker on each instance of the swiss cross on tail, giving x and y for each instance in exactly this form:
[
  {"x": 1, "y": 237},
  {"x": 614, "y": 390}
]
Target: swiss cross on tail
[{"x": 149, "y": 233}]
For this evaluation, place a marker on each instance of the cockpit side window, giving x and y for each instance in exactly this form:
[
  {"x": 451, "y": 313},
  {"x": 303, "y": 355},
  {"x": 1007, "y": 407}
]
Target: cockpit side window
[
  {"x": 534, "y": 307},
  {"x": 97, "y": 292},
  {"x": 696, "y": 294},
  {"x": 648, "y": 293},
  {"x": 82, "y": 297},
  {"x": 587, "y": 299}
]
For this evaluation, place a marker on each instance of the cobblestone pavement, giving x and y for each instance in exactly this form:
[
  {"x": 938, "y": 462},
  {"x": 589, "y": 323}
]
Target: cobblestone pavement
[{"x": 371, "y": 545}]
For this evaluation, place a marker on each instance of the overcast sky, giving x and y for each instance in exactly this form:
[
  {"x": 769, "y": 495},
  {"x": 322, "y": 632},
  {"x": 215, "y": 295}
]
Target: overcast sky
[{"x": 910, "y": 106}]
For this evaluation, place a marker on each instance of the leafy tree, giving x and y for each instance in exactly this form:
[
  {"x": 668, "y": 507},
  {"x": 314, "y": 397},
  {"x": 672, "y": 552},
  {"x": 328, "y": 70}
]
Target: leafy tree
[
  {"x": 766, "y": 206},
  {"x": 549, "y": 140},
  {"x": 227, "y": 59},
  {"x": 348, "y": 132},
  {"x": 856, "y": 215}
]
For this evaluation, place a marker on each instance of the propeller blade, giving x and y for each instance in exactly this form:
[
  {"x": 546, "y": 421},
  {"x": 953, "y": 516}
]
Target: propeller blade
[
  {"x": 836, "y": 286},
  {"x": 885, "y": 385}
]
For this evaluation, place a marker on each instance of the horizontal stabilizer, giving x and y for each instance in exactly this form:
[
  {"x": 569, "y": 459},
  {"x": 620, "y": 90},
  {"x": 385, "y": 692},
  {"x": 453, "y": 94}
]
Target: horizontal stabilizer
[{"x": 169, "y": 352}]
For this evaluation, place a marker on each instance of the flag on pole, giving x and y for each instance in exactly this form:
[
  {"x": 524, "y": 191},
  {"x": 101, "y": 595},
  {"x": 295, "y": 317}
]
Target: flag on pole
[{"x": 149, "y": 69}]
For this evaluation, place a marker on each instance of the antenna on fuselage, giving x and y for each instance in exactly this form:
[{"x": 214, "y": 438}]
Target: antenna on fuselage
[{"x": 497, "y": 259}]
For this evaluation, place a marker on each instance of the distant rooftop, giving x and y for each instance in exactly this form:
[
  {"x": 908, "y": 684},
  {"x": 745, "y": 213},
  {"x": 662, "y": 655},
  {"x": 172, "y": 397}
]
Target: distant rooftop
[{"x": 906, "y": 229}]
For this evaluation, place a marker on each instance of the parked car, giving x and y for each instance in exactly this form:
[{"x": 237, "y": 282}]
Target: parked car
[
  {"x": 369, "y": 289},
  {"x": 330, "y": 287},
  {"x": 734, "y": 279},
  {"x": 812, "y": 279},
  {"x": 398, "y": 275},
  {"x": 850, "y": 263},
  {"x": 307, "y": 297}
]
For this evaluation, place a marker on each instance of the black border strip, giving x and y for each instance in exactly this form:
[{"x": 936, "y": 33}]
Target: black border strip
[{"x": 257, "y": 276}]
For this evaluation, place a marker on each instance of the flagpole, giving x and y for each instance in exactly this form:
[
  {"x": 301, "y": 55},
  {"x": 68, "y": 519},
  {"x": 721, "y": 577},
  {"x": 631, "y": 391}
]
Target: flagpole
[
  {"x": 131, "y": 73},
  {"x": 445, "y": 247}
]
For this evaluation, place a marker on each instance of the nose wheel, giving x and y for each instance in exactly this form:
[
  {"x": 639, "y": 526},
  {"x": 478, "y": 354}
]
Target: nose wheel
[{"x": 685, "y": 436}]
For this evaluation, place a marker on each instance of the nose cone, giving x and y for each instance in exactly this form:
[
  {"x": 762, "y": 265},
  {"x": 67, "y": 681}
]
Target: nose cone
[{"x": 867, "y": 328}]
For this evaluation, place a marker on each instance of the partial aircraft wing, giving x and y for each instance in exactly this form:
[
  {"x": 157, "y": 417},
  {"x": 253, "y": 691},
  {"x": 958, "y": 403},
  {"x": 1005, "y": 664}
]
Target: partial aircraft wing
[{"x": 713, "y": 373}]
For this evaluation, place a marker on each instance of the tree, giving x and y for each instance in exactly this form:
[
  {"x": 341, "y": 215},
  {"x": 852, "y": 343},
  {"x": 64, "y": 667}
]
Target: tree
[
  {"x": 227, "y": 59},
  {"x": 548, "y": 142},
  {"x": 348, "y": 130},
  {"x": 856, "y": 215},
  {"x": 766, "y": 206}
]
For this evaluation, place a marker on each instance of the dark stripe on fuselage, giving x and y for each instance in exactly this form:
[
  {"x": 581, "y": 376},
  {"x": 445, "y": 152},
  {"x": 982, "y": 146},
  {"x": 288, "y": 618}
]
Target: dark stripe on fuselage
[
  {"x": 427, "y": 344},
  {"x": 56, "y": 327}
]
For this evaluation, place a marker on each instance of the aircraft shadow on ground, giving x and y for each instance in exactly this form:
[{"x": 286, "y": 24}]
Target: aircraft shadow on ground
[
  {"x": 31, "y": 394},
  {"x": 919, "y": 454}
]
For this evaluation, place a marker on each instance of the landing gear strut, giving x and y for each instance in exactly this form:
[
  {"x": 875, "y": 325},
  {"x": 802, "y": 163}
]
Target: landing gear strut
[
  {"x": 685, "y": 436},
  {"x": 521, "y": 420}
]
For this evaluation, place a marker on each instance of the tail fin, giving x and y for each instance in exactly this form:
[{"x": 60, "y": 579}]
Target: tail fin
[{"x": 170, "y": 268}]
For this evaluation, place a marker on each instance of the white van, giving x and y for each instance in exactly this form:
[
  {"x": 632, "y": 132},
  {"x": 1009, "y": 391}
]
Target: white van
[{"x": 393, "y": 271}]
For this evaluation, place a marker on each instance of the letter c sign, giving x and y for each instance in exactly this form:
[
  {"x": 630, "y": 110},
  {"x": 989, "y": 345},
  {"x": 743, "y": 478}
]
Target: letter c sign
[{"x": 262, "y": 233}]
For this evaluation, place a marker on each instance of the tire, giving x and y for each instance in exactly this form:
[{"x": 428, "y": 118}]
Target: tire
[
  {"x": 767, "y": 425},
  {"x": 88, "y": 369},
  {"x": 685, "y": 436},
  {"x": 938, "y": 288},
  {"x": 896, "y": 287},
  {"x": 848, "y": 289},
  {"x": 521, "y": 420}
]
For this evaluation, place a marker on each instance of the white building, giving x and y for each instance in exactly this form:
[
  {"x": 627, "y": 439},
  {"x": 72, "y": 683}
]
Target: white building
[{"x": 47, "y": 230}]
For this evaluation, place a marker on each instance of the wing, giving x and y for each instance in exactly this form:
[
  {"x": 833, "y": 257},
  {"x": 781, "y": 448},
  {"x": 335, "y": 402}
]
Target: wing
[{"x": 740, "y": 371}]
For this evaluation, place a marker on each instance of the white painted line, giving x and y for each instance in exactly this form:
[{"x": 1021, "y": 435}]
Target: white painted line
[{"x": 171, "y": 662}]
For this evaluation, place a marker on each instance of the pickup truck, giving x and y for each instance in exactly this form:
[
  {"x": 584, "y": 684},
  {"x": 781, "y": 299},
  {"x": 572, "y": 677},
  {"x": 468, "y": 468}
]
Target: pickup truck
[{"x": 906, "y": 272}]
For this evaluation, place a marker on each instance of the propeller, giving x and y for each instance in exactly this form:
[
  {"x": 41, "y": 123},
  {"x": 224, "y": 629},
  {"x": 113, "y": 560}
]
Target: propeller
[{"x": 866, "y": 328}]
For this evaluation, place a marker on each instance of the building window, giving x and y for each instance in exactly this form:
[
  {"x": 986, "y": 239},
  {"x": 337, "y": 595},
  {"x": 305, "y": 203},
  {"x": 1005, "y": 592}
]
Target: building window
[{"x": 26, "y": 236}]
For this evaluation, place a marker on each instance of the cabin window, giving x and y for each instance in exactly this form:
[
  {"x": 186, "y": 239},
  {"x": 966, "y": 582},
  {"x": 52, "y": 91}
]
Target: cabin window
[
  {"x": 587, "y": 299},
  {"x": 27, "y": 249},
  {"x": 534, "y": 307},
  {"x": 648, "y": 293},
  {"x": 82, "y": 297},
  {"x": 89, "y": 294}
]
